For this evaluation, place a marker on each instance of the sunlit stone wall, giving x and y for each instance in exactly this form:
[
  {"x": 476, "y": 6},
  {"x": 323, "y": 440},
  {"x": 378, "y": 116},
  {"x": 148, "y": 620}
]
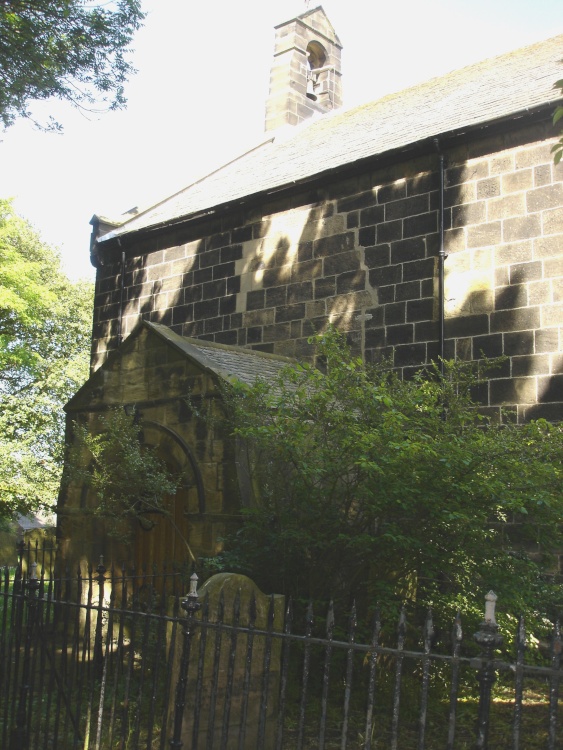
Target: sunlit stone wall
[{"x": 361, "y": 253}]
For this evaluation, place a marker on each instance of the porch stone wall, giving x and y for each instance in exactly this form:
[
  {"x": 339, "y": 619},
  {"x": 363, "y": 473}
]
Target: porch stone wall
[{"x": 156, "y": 380}]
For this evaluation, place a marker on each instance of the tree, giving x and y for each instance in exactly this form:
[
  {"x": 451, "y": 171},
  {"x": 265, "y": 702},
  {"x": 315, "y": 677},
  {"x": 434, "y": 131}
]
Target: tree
[
  {"x": 45, "y": 329},
  {"x": 69, "y": 49},
  {"x": 130, "y": 482},
  {"x": 386, "y": 490}
]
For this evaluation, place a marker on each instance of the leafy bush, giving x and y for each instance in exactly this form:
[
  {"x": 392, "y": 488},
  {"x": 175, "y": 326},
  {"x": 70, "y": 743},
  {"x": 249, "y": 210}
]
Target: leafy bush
[{"x": 379, "y": 489}]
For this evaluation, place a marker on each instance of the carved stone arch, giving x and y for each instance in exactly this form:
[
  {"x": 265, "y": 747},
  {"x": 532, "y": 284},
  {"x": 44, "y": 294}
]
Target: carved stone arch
[
  {"x": 316, "y": 55},
  {"x": 173, "y": 448},
  {"x": 164, "y": 538}
]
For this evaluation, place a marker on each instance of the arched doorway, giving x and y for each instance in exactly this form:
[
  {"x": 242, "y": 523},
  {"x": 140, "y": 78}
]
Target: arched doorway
[{"x": 162, "y": 539}]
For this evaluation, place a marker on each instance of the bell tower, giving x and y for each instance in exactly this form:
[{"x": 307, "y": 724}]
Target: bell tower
[{"x": 306, "y": 72}]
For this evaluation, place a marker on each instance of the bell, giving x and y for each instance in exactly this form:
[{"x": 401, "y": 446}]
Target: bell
[{"x": 311, "y": 90}]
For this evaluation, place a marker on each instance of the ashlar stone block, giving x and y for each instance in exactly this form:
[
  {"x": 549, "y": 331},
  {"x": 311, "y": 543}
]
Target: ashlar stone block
[
  {"x": 482, "y": 235},
  {"x": 552, "y": 315},
  {"x": 553, "y": 221},
  {"x": 521, "y": 228},
  {"x": 513, "y": 182},
  {"x": 514, "y": 252},
  {"x": 550, "y": 196},
  {"x": 548, "y": 247}
]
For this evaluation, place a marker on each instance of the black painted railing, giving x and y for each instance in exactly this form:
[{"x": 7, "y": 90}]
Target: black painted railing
[{"x": 130, "y": 659}]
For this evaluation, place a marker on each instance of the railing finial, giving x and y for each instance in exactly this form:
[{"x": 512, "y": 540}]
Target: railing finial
[{"x": 490, "y": 604}]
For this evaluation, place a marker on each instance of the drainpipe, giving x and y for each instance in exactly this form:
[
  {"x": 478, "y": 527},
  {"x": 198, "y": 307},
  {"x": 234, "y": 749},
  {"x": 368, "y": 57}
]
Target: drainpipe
[
  {"x": 441, "y": 260},
  {"x": 121, "y": 294}
]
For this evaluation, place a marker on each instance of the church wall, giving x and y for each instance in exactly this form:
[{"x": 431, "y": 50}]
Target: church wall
[{"x": 361, "y": 253}]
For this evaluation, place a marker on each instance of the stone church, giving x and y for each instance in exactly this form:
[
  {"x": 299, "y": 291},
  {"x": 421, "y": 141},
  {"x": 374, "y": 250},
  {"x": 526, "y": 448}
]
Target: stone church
[{"x": 425, "y": 224}]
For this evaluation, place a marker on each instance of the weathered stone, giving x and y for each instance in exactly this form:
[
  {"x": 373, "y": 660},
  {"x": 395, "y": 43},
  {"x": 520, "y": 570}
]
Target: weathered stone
[
  {"x": 484, "y": 234},
  {"x": 509, "y": 297},
  {"x": 341, "y": 263},
  {"x": 338, "y": 243},
  {"x": 553, "y": 221},
  {"x": 514, "y": 320},
  {"x": 516, "y": 181},
  {"x": 514, "y": 252},
  {"x": 372, "y": 215},
  {"x": 487, "y": 346},
  {"x": 421, "y": 309},
  {"x": 385, "y": 275},
  {"x": 379, "y": 255},
  {"x": 351, "y": 281},
  {"x": 548, "y": 247},
  {"x": 395, "y": 313},
  {"x": 521, "y": 228},
  {"x": 552, "y": 315},
  {"x": 392, "y": 192},
  {"x": 299, "y": 292},
  {"x": 422, "y": 224},
  {"x": 399, "y": 334},
  {"x": 290, "y": 312},
  {"x": 532, "y": 364},
  {"x": 362, "y": 200},
  {"x": 469, "y": 213},
  {"x": 389, "y": 231},
  {"x": 409, "y": 354},
  {"x": 507, "y": 206},
  {"x": 513, "y": 391},
  {"x": 550, "y": 196},
  {"x": 488, "y": 188},
  {"x": 406, "y": 250},
  {"x": 222, "y": 593},
  {"x": 400, "y": 209},
  {"x": 366, "y": 236},
  {"x": 529, "y": 157},
  {"x": 410, "y": 290},
  {"x": 522, "y": 272}
]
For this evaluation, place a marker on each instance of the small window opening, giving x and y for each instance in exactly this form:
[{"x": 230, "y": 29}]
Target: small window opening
[{"x": 316, "y": 58}]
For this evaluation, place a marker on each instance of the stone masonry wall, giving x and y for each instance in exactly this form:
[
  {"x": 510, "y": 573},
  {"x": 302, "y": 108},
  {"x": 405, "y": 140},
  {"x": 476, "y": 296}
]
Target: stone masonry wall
[
  {"x": 155, "y": 378},
  {"x": 362, "y": 254}
]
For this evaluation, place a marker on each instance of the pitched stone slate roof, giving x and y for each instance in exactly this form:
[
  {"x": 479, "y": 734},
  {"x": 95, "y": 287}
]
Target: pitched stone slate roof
[
  {"x": 481, "y": 93},
  {"x": 228, "y": 362}
]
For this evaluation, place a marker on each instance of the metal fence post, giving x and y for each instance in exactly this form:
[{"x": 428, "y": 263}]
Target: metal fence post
[
  {"x": 98, "y": 638},
  {"x": 488, "y": 639},
  {"x": 191, "y": 605},
  {"x": 20, "y": 735}
]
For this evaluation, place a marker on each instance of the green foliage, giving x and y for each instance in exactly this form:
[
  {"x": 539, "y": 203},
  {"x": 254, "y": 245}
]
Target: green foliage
[
  {"x": 382, "y": 489},
  {"x": 70, "y": 49},
  {"x": 130, "y": 481},
  {"x": 45, "y": 326},
  {"x": 557, "y": 149}
]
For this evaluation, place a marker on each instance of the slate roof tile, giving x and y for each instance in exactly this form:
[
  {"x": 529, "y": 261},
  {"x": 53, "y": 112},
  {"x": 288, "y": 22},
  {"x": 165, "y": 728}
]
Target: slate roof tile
[
  {"x": 228, "y": 362},
  {"x": 490, "y": 90}
]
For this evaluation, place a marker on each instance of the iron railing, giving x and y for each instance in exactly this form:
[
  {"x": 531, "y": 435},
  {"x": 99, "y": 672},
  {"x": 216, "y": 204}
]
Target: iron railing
[{"x": 128, "y": 660}]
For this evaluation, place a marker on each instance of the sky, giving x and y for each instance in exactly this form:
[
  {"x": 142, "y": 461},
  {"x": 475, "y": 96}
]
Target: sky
[{"x": 198, "y": 97}]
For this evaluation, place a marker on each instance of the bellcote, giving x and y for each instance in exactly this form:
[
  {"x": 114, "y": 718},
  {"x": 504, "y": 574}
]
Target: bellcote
[{"x": 306, "y": 71}]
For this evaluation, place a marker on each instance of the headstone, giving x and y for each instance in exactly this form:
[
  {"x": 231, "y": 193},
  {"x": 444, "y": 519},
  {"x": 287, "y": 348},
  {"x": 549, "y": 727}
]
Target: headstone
[{"x": 233, "y": 674}]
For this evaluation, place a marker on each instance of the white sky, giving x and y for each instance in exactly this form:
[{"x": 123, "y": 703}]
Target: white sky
[{"x": 199, "y": 95}]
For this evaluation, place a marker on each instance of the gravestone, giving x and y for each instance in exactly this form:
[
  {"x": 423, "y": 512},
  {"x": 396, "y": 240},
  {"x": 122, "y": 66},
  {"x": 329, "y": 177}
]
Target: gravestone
[{"x": 234, "y": 671}]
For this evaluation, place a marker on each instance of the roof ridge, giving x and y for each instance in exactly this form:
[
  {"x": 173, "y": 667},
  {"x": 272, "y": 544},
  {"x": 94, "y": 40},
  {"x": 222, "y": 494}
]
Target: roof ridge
[
  {"x": 204, "y": 344},
  {"x": 204, "y": 177}
]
